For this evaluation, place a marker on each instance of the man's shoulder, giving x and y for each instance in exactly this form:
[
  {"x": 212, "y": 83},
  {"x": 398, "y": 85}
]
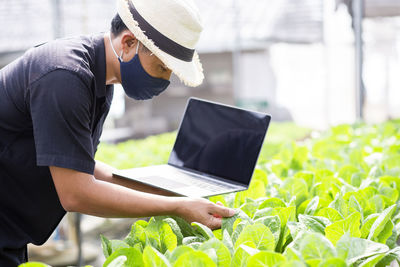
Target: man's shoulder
[{"x": 73, "y": 54}]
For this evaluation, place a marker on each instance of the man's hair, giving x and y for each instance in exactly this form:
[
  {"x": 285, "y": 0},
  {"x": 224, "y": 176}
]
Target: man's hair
[{"x": 118, "y": 26}]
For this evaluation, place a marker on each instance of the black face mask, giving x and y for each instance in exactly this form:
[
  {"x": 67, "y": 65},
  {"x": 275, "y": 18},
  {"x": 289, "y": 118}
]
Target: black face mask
[{"x": 137, "y": 83}]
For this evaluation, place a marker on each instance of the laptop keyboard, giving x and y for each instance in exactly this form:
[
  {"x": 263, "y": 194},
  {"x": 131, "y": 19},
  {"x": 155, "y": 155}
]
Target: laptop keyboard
[
  {"x": 162, "y": 182},
  {"x": 210, "y": 185},
  {"x": 185, "y": 180}
]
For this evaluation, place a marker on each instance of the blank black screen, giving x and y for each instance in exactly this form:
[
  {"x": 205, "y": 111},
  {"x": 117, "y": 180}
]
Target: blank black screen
[{"x": 219, "y": 140}]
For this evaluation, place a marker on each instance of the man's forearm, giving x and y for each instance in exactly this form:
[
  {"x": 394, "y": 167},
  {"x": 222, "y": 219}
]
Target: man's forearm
[
  {"x": 100, "y": 198},
  {"x": 84, "y": 193},
  {"x": 119, "y": 201},
  {"x": 104, "y": 172}
]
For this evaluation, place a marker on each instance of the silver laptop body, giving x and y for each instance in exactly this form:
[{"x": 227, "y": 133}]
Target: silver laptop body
[{"x": 215, "y": 151}]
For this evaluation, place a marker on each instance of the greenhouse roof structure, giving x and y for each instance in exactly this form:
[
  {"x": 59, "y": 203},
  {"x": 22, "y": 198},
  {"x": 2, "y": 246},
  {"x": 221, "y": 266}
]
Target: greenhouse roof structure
[
  {"x": 252, "y": 23},
  {"x": 257, "y": 21}
]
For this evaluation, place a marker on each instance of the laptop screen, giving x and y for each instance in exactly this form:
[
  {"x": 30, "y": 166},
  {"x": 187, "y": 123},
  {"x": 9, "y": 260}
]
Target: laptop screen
[{"x": 219, "y": 140}]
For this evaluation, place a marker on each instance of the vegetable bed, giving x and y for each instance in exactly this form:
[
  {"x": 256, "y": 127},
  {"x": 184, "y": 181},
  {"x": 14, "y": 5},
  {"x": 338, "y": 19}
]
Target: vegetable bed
[{"x": 329, "y": 200}]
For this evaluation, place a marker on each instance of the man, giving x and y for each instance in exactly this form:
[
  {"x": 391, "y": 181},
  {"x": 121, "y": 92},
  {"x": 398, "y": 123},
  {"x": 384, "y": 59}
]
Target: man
[{"x": 53, "y": 102}]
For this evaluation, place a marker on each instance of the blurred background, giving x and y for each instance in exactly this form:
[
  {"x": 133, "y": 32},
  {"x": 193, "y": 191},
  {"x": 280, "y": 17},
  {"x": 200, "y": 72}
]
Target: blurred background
[
  {"x": 314, "y": 63},
  {"x": 295, "y": 59}
]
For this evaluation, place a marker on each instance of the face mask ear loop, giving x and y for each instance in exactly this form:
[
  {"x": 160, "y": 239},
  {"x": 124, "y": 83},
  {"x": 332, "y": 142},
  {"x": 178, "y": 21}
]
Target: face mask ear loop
[
  {"x": 137, "y": 47},
  {"x": 120, "y": 57},
  {"x": 112, "y": 47}
]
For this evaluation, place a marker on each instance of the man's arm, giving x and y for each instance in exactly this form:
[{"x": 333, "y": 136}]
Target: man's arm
[
  {"x": 103, "y": 172},
  {"x": 81, "y": 192}
]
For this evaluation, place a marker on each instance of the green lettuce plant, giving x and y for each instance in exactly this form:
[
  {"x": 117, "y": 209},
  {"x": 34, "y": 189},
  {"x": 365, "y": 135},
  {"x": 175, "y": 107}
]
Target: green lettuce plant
[{"x": 325, "y": 201}]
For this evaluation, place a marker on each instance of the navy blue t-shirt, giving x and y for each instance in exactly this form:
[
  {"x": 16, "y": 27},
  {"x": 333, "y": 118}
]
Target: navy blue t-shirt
[{"x": 53, "y": 103}]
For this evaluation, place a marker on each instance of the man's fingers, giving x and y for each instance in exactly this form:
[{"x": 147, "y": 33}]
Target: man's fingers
[
  {"x": 217, "y": 215},
  {"x": 223, "y": 211},
  {"x": 215, "y": 223}
]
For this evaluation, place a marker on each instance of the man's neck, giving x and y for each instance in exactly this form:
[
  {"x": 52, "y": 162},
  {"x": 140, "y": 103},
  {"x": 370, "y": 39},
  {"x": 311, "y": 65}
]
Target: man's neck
[{"x": 112, "y": 63}]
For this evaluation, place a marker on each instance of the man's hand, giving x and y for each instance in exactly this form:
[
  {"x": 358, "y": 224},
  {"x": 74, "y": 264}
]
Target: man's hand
[
  {"x": 203, "y": 211},
  {"x": 83, "y": 193},
  {"x": 192, "y": 210}
]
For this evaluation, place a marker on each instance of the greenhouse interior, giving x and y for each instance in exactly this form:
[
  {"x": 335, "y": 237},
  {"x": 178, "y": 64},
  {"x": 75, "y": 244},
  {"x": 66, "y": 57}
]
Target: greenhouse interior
[{"x": 297, "y": 117}]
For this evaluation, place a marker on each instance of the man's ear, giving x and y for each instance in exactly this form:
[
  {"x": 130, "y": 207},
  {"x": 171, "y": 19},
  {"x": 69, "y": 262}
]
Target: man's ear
[{"x": 128, "y": 41}]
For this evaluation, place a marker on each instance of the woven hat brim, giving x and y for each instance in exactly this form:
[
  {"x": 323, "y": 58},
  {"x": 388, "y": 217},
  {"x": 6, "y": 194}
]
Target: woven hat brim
[{"x": 190, "y": 73}]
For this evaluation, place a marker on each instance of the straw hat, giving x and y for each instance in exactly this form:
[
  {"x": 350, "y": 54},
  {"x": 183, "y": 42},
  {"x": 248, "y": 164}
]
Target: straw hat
[{"x": 170, "y": 29}]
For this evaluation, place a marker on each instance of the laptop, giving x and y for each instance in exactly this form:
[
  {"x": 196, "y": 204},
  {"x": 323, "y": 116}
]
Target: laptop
[{"x": 215, "y": 151}]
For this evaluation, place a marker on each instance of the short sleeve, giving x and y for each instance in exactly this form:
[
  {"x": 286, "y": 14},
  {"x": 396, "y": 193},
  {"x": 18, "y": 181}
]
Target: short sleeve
[{"x": 60, "y": 105}]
